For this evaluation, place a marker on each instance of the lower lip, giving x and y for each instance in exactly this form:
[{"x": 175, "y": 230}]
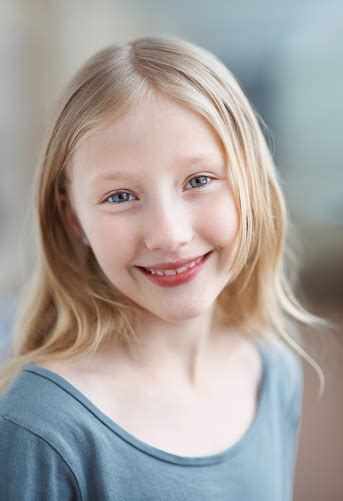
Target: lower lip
[{"x": 178, "y": 279}]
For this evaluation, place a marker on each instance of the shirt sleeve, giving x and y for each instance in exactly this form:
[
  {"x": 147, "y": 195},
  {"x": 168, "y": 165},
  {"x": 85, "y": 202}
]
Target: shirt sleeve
[{"x": 31, "y": 469}]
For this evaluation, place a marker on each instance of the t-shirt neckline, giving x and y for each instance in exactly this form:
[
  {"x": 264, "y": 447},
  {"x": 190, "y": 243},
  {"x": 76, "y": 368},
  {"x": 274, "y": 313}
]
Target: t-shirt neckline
[{"x": 150, "y": 449}]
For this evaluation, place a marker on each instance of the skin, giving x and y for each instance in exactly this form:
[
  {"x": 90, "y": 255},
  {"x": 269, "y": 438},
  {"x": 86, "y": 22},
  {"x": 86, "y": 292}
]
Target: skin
[{"x": 166, "y": 218}]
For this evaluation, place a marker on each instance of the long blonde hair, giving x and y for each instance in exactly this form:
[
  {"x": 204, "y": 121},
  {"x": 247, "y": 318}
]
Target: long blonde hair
[{"x": 69, "y": 306}]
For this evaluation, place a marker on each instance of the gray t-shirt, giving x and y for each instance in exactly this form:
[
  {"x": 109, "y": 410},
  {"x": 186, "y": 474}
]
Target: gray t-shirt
[{"x": 56, "y": 445}]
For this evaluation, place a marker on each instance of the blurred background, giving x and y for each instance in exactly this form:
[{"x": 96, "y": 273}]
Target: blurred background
[{"x": 288, "y": 58}]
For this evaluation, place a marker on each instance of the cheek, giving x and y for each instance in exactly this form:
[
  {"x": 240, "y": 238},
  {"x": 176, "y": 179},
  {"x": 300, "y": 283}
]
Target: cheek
[
  {"x": 220, "y": 226},
  {"x": 220, "y": 222},
  {"x": 113, "y": 243}
]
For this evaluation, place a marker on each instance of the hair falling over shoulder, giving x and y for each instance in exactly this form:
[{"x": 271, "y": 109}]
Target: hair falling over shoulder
[{"x": 69, "y": 306}]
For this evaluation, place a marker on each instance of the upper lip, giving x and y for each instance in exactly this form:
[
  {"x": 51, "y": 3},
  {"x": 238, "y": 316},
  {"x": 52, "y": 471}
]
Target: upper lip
[{"x": 175, "y": 265}]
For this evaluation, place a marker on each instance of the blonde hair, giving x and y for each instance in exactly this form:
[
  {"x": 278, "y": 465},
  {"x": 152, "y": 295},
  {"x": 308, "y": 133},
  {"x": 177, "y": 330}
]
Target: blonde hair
[{"x": 70, "y": 306}]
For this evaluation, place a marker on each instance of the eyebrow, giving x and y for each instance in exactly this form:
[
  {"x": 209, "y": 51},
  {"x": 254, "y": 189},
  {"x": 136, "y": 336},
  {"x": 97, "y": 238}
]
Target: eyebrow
[{"x": 188, "y": 160}]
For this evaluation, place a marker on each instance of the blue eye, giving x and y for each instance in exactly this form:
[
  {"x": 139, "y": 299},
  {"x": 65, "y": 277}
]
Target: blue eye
[
  {"x": 197, "y": 178},
  {"x": 124, "y": 195},
  {"x": 118, "y": 194}
]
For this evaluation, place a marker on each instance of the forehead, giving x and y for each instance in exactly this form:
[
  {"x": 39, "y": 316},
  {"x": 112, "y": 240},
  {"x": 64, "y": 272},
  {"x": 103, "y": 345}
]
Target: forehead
[{"x": 159, "y": 132}]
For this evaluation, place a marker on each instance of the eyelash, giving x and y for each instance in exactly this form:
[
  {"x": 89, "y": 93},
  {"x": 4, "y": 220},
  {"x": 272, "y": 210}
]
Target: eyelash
[{"x": 124, "y": 191}]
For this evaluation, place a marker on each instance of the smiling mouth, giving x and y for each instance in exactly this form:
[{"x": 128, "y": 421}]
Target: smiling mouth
[
  {"x": 173, "y": 278},
  {"x": 175, "y": 271}
]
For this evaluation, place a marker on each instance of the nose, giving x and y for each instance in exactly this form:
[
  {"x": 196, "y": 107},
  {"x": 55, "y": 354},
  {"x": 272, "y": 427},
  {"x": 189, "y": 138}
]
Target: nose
[{"x": 167, "y": 226}]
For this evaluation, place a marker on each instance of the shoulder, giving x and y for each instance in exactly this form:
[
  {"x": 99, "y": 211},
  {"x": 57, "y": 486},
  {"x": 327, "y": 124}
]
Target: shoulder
[
  {"x": 31, "y": 394},
  {"x": 286, "y": 377},
  {"x": 40, "y": 404}
]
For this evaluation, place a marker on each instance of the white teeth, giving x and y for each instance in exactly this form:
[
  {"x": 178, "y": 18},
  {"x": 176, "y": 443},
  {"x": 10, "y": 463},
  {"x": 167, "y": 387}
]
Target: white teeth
[
  {"x": 183, "y": 268},
  {"x": 170, "y": 272},
  {"x": 178, "y": 270}
]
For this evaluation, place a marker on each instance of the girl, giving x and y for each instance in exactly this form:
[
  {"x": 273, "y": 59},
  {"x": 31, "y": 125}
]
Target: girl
[{"x": 155, "y": 355}]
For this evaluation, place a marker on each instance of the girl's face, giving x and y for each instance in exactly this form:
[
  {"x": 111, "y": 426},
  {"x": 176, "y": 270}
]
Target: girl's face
[{"x": 153, "y": 188}]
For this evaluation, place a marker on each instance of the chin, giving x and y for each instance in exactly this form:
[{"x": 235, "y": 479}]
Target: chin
[{"x": 182, "y": 313}]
